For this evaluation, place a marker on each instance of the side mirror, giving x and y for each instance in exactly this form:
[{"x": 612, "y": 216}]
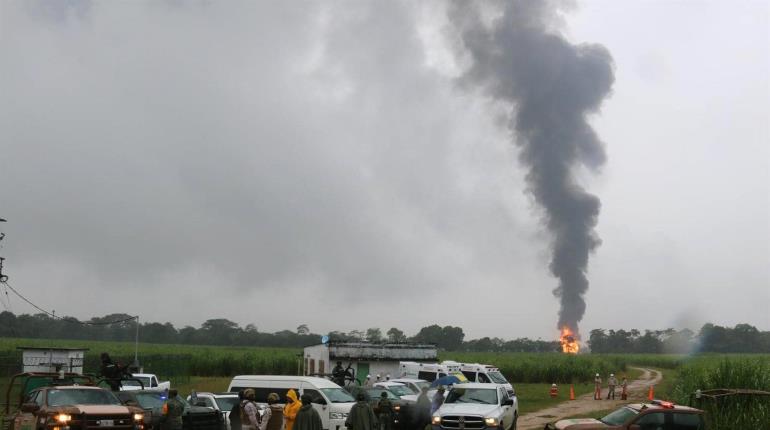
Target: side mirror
[
  {"x": 508, "y": 402},
  {"x": 30, "y": 407}
]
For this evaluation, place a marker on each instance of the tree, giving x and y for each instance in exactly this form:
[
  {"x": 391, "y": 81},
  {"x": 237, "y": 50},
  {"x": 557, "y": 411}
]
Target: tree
[
  {"x": 356, "y": 335},
  {"x": 396, "y": 336},
  {"x": 374, "y": 335}
]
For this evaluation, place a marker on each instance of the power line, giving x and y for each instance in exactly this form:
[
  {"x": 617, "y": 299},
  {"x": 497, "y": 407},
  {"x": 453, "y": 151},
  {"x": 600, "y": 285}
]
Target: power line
[{"x": 69, "y": 320}]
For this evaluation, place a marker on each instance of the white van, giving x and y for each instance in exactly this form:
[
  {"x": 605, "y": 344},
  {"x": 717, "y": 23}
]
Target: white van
[
  {"x": 428, "y": 371},
  {"x": 483, "y": 373},
  {"x": 332, "y": 402}
]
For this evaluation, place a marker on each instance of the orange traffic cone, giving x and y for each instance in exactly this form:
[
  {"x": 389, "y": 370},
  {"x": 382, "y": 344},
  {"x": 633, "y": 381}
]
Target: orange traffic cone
[
  {"x": 571, "y": 392},
  {"x": 651, "y": 394}
]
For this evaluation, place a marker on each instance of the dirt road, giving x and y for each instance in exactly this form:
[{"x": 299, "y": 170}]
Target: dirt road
[{"x": 637, "y": 390}]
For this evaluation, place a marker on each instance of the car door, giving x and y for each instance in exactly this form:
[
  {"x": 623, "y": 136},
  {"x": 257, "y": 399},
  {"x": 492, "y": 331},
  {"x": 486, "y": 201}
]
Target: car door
[
  {"x": 652, "y": 421},
  {"x": 319, "y": 403},
  {"x": 503, "y": 398}
]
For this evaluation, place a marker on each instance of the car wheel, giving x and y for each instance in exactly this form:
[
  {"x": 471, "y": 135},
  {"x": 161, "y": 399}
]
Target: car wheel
[{"x": 515, "y": 421}]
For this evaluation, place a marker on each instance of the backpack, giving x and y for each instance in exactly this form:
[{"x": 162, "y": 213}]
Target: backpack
[{"x": 245, "y": 417}]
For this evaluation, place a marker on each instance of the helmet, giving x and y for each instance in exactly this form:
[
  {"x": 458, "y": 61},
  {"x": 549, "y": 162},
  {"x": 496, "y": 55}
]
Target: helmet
[
  {"x": 612, "y": 374},
  {"x": 553, "y": 385}
]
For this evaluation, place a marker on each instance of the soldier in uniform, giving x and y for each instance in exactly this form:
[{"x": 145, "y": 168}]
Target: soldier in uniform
[
  {"x": 172, "y": 412},
  {"x": 111, "y": 371},
  {"x": 338, "y": 374},
  {"x": 385, "y": 410}
]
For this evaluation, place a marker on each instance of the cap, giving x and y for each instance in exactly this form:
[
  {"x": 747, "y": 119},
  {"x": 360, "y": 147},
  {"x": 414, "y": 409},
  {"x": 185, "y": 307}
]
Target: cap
[{"x": 597, "y": 374}]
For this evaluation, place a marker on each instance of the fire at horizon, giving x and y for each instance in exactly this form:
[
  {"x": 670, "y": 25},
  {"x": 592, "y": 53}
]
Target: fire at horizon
[{"x": 569, "y": 342}]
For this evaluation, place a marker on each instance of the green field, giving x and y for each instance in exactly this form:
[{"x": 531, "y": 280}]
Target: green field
[{"x": 209, "y": 368}]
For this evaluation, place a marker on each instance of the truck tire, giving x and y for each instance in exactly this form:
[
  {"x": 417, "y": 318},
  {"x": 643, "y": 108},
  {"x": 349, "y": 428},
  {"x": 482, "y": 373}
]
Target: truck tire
[{"x": 515, "y": 421}]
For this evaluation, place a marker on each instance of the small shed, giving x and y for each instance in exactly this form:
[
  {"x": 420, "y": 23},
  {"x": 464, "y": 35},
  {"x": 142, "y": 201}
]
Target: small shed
[
  {"x": 365, "y": 358},
  {"x": 41, "y": 359}
]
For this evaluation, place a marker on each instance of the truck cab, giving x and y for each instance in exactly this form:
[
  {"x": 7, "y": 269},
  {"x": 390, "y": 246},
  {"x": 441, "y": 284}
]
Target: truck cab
[
  {"x": 61, "y": 401},
  {"x": 144, "y": 381},
  {"x": 477, "y": 406}
]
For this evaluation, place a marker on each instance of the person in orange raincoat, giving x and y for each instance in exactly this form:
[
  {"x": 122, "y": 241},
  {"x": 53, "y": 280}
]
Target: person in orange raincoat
[{"x": 291, "y": 409}]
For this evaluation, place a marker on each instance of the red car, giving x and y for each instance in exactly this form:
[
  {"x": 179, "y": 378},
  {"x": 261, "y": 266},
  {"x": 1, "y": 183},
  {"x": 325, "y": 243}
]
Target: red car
[{"x": 656, "y": 415}]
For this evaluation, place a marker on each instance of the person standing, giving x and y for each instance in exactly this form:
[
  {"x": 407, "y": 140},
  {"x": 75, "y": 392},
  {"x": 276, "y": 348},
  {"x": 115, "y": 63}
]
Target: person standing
[
  {"x": 235, "y": 413},
  {"x": 624, "y": 388},
  {"x": 438, "y": 400},
  {"x": 422, "y": 410},
  {"x": 172, "y": 412},
  {"x": 273, "y": 417},
  {"x": 307, "y": 417},
  {"x": 250, "y": 418},
  {"x": 338, "y": 374},
  {"x": 361, "y": 415},
  {"x": 291, "y": 409},
  {"x": 385, "y": 409},
  {"x": 597, "y": 387},
  {"x": 611, "y": 383}
]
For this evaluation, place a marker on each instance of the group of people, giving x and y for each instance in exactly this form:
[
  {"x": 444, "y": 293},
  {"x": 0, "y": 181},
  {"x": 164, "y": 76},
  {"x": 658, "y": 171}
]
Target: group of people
[
  {"x": 612, "y": 383},
  {"x": 297, "y": 414},
  {"x": 363, "y": 417}
]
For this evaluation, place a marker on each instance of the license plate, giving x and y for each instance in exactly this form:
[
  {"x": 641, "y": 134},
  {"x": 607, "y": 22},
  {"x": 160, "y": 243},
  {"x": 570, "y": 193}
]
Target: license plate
[{"x": 106, "y": 423}]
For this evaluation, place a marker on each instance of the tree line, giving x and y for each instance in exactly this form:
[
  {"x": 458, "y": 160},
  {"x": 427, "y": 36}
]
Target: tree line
[
  {"x": 223, "y": 332},
  {"x": 743, "y": 338}
]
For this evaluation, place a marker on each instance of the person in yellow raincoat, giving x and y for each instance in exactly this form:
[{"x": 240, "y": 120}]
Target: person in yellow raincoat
[{"x": 291, "y": 409}]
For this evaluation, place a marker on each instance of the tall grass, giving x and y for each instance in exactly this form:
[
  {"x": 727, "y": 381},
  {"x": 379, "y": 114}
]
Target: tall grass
[{"x": 714, "y": 372}]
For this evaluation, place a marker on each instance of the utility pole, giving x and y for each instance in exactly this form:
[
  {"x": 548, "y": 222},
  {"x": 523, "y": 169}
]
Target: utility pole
[
  {"x": 3, "y": 278},
  {"x": 136, "y": 345}
]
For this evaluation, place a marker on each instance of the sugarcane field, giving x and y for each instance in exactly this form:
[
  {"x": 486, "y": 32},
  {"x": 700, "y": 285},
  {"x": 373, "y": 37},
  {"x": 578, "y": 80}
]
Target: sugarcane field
[{"x": 384, "y": 215}]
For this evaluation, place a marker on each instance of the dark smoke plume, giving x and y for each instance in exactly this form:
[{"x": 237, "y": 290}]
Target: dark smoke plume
[{"x": 520, "y": 58}]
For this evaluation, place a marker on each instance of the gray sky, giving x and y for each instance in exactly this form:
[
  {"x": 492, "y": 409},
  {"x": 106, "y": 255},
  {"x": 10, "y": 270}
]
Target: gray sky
[{"x": 287, "y": 163}]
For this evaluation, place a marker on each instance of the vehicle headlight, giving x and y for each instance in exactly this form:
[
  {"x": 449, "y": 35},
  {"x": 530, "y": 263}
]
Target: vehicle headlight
[
  {"x": 436, "y": 420},
  {"x": 397, "y": 408},
  {"x": 138, "y": 417},
  {"x": 63, "y": 418},
  {"x": 491, "y": 422}
]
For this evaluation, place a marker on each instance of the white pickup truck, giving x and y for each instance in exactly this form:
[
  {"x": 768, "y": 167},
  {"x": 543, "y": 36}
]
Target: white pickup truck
[
  {"x": 477, "y": 406},
  {"x": 149, "y": 380}
]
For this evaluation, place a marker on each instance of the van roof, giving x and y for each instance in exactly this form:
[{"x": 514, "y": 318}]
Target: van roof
[{"x": 318, "y": 382}]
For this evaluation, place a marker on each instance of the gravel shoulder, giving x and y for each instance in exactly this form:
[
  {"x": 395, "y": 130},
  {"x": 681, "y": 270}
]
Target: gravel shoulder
[{"x": 637, "y": 390}]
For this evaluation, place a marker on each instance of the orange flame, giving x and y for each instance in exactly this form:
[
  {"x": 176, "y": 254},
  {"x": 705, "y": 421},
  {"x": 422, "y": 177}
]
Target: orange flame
[{"x": 569, "y": 342}]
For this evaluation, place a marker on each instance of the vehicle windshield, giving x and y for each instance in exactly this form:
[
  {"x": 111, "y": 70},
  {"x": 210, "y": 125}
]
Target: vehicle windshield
[
  {"x": 81, "y": 397},
  {"x": 134, "y": 382},
  {"x": 485, "y": 396},
  {"x": 420, "y": 385},
  {"x": 375, "y": 393},
  {"x": 337, "y": 395},
  {"x": 226, "y": 403},
  {"x": 619, "y": 417},
  {"x": 150, "y": 400},
  {"x": 497, "y": 377},
  {"x": 400, "y": 390}
]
